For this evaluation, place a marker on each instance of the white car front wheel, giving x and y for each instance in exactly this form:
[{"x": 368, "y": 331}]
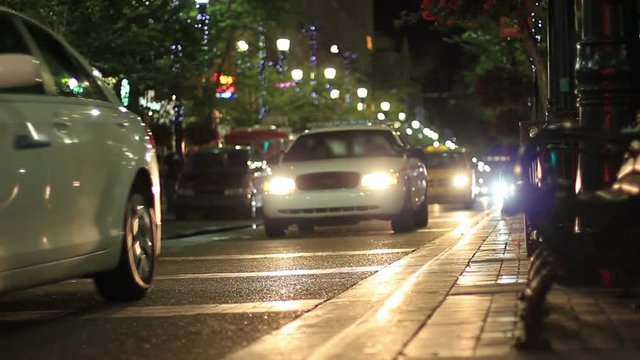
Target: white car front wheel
[{"x": 133, "y": 276}]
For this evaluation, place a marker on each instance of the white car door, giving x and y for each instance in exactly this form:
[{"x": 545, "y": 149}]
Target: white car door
[
  {"x": 88, "y": 135},
  {"x": 24, "y": 175}
]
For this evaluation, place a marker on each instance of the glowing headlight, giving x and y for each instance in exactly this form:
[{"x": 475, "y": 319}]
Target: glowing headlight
[
  {"x": 379, "y": 180},
  {"x": 460, "y": 180},
  {"x": 279, "y": 186}
]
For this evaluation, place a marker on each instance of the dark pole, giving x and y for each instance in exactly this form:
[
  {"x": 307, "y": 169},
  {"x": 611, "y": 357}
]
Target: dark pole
[
  {"x": 607, "y": 63},
  {"x": 178, "y": 119},
  {"x": 561, "y": 47}
]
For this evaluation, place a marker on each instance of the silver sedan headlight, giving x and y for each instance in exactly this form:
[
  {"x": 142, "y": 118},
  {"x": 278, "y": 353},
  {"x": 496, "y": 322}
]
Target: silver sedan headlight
[{"x": 279, "y": 186}]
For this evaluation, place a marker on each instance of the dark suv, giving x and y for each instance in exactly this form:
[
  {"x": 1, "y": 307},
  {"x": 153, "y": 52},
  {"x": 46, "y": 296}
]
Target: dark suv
[{"x": 218, "y": 178}]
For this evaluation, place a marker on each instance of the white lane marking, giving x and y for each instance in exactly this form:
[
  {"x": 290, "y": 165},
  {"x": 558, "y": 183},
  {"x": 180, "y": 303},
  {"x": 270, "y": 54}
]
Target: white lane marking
[
  {"x": 288, "y": 255},
  {"x": 188, "y": 310},
  {"x": 270, "y": 273},
  {"x": 444, "y": 219},
  {"x": 9, "y": 316},
  {"x": 435, "y": 229},
  {"x": 173, "y": 310}
]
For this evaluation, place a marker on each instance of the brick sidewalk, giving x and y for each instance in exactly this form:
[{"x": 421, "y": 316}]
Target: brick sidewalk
[
  {"x": 457, "y": 297},
  {"x": 481, "y": 311}
]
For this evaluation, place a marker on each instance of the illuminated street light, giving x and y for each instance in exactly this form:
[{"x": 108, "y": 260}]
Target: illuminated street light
[
  {"x": 329, "y": 73},
  {"x": 385, "y": 106},
  {"x": 409, "y": 131},
  {"x": 402, "y": 116},
  {"x": 334, "y": 49},
  {"x": 297, "y": 74},
  {"x": 283, "y": 47},
  {"x": 334, "y": 94},
  {"x": 362, "y": 94},
  {"x": 381, "y": 116},
  {"x": 283, "y": 44},
  {"x": 415, "y": 124},
  {"x": 242, "y": 46},
  {"x": 436, "y": 143}
]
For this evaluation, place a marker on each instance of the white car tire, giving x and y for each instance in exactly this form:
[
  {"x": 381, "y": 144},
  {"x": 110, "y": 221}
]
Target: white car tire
[
  {"x": 404, "y": 222},
  {"x": 274, "y": 228},
  {"x": 133, "y": 276},
  {"x": 421, "y": 215}
]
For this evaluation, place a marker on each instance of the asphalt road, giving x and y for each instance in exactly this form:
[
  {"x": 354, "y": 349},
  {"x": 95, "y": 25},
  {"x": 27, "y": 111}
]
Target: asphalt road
[{"x": 215, "y": 293}]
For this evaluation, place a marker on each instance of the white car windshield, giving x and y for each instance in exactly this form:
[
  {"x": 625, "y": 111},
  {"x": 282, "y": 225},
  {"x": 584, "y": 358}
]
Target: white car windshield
[{"x": 344, "y": 144}]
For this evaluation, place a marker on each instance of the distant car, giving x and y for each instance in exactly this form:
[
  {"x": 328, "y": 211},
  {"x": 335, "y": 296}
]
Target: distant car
[
  {"x": 79, "y": 184},
  {"x": 221, "y": 178},
  {"x": 344, "y": 175},
  {"x": 451, "y": 176}
]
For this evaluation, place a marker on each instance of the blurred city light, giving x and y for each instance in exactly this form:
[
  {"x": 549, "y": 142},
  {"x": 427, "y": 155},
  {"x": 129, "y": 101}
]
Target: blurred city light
[
  {"x": 415, "y": 124},
  {"x": 334, "y": 49},
  {"x": 402, "y": 116},
  {"x": 385, "y": 106},
  {"x": 362, "y": 92},
  {"x": 297, "y": 74},
  {"x": 329, "y": 73},
  {"x": 283, "y": 44},
  {"x": 242, "y": 46},
  {"x": 334, "y": 94},
  {"x": 381, "y": 116}
]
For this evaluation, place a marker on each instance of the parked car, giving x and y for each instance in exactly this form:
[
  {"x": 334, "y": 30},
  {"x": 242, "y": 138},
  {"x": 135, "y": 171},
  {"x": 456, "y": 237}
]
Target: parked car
[
  {"x": 79, "y": 186},
  {"x": 221, "y": 177},
  {"x": 451, "y": 176},
  {"x": 341, "y": 175}
]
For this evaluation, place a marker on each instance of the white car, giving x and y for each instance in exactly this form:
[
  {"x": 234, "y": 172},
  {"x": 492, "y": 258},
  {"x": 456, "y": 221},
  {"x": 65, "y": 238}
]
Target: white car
[
  {"x": 79, "y": 185},
  {"x": 345, "y": 175}
]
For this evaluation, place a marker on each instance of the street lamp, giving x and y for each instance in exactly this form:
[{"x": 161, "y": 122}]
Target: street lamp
[
  {"x": 282, "y": 45},
  {"x": 362, "y": 94},
  {"x": 385, "y": 106},
  {"x": 329, "y": 73},
  {"x": 297, "y": 74},
  {"x": 242, "y": 46}
]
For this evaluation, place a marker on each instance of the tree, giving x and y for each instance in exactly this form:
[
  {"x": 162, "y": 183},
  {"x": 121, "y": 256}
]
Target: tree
[
  {"x": 157, "y": 44},
  {"x": 505, "y": 34},
  {"x": 506, "y": 66}
]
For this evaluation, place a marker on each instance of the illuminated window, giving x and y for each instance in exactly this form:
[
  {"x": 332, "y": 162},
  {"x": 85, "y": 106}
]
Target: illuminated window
[{"x": 369, "y": 42}]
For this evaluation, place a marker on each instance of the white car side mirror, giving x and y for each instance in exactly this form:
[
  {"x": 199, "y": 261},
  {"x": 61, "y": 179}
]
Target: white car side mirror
[{"x": 19, "y": 70}]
